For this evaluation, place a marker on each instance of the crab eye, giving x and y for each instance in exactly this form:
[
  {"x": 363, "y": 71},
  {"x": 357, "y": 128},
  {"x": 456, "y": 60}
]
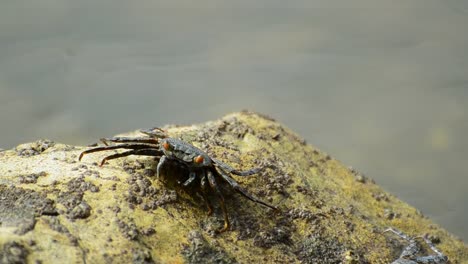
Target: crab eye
[
  {"x": 198, "y": 159},
  {"x": 166, "y": 146}
]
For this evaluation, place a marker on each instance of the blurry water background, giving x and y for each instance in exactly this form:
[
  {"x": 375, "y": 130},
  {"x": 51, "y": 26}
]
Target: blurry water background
[{"x": 380, "y": 85}]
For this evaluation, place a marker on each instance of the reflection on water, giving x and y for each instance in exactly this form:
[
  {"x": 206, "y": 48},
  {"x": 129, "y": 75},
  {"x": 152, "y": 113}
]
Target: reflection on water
[{"x": 382, "y": 88}]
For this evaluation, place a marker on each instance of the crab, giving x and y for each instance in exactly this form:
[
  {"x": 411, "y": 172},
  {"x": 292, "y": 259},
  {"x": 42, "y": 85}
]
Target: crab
[
  {"x": 202, "y": 169},
  {"x": 408, "y": 256}
]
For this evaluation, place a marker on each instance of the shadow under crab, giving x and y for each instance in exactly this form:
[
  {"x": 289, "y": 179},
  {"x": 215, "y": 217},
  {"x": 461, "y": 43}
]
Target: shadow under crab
[{"x": 204, "y": 170}]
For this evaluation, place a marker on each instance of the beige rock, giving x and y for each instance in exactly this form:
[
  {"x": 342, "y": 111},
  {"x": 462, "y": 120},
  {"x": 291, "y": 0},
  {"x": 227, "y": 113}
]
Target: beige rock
[{"x": 55, "y": 209}]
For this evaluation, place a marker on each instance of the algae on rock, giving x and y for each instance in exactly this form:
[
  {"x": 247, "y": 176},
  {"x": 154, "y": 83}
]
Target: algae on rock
[{"x": 54, "y": 209}]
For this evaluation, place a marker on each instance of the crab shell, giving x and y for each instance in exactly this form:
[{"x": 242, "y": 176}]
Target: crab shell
[{"x": 177, "y": 149}]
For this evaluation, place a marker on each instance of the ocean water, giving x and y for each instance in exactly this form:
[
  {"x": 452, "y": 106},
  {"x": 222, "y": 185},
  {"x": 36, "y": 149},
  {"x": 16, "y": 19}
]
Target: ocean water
[{"x": 381, "y": 86}]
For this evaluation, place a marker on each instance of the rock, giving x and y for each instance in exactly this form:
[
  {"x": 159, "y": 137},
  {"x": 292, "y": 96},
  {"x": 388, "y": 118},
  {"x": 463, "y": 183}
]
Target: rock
[{"x": 54, "y": 209}]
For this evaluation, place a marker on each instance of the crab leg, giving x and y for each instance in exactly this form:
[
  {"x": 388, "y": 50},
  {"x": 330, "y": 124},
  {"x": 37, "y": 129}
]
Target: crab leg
[
  {"x": 192, "y": 177},
  {"x": 155, "y": 132},
  {"x": 129, "y": 140},
  {"x": 413, "y": 247},
  {"x": 409, "y": 253},
  {"x": 242, "y": 191},
  {"x": 203, "y": 191},
  {"x": 121, "y": 146},
  {"x": 161, "y": 163},
  {"x": 230, "y": 169},
  {"x": 439, "y": 258},
  {"x": 143, "y": 152},
  {"x": 214, "y": 186}
]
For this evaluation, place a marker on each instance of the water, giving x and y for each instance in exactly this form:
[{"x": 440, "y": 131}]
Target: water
[{"x": 380, "y": 86}]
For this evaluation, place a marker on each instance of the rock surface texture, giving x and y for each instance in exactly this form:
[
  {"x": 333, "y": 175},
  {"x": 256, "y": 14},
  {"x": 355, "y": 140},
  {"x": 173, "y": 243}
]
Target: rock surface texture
[{"x": 55, "y": 209}]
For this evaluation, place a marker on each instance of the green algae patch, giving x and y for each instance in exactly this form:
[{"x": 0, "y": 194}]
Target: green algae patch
[{"x": 56, "y": 209}]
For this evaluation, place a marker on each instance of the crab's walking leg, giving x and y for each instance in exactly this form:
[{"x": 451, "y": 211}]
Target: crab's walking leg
[
  {"x": 247, "y": 172},
  {"x": 398, "y": 233},
  {"x": 121, "y": 146},
  {"x": 203, "y": 184},
  {"x": 436, "y": 259},
  {"x": 161, "y": 163},
  {"x": 242, "y": 191},
  {"x": 413, "y": 247},
  {"x": 230, "y": 169},
  {"x": 433, "y": 247},
  {"x": 142, "y": 152},
  {"x": 208, "y": 204},
  {"x": 129, "y": 140},
  {"x": 155, "y": 132},
  {"x": 214, "y": 186},
  {"x": 192, "y": 177},
  {"x": 431, "y": 259}
]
